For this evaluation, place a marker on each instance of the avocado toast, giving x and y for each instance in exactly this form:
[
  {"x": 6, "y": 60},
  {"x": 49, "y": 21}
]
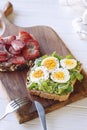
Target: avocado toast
[{"x": 54, "y": 76}]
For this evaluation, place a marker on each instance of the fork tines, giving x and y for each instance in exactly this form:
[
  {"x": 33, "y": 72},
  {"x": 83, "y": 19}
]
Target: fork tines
[{"x": 19, "y": 102}]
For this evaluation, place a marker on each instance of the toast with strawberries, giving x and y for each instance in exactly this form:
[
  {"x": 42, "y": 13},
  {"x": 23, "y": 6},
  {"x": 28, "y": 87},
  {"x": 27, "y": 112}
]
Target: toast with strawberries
[{"x": 18, "y": 52}]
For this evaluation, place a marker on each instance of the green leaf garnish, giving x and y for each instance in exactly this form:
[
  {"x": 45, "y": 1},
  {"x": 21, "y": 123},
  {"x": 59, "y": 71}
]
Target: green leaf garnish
[
  {"x": 79, "y": 76},
  {"x": 54, "y": 54},
  {"x": 69, "y": 57}
]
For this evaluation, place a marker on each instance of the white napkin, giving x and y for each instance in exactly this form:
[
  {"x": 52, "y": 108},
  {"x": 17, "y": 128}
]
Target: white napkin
[
  {"x": 80, "y": 26},
  {"x": 73, "y": 2}
]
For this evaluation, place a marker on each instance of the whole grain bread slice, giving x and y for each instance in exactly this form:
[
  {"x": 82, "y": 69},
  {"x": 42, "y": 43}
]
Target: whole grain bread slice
[{"x": 49, "y": 96}]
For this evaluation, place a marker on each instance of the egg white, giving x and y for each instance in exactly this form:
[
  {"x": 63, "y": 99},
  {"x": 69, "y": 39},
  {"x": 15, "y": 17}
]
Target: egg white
[
  {"x": 60, "y": 79},
  {"x": 68, "y": 66},
  {"x": 45, "y": 75},
  {"x": 50, "y": 63}
]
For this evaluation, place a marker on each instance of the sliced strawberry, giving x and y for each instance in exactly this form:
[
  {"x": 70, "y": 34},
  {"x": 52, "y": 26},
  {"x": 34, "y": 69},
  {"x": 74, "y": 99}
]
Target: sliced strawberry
[
  {"x": 33, "y": 55},
  {"x": 12, "y": 51},
  {"x": 33, "y": 44},
  {"x": 0, "y": 37},
  {"x": 17, "y": 44},
  {"x": 2, "y": 41},
  {"x": 31, "y": 50},
  {"x": 10, "y": 39},
  {"x": 25, "y": 36},
  {"x": 3, "y": 51},
  {"x": 30, "y": 54},
  {"x": 17, "y": 60},
  {"x": 3, "y": 58}
]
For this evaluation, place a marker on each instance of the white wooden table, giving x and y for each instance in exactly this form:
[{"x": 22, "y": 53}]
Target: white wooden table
[{"x": 50, "y": 13}]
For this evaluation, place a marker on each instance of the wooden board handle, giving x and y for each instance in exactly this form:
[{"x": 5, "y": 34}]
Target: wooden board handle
[
  {"x": 8, "y": 9},
  {"x": 8, "y": 28}
]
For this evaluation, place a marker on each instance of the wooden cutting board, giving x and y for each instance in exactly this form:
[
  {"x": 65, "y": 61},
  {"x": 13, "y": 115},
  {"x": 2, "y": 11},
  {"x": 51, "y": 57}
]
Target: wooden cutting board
[{"x": 14, "y": 82}]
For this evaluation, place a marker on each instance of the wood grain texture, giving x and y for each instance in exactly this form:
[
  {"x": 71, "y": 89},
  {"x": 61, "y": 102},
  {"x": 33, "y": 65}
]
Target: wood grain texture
[{"x": 14, "y": 82}]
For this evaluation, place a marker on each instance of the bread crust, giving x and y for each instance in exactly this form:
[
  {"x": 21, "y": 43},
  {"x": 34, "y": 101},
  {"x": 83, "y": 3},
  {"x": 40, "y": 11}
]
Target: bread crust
[
  {"x": 12, "y": 67},
  {"x": 49, "y": 96}
]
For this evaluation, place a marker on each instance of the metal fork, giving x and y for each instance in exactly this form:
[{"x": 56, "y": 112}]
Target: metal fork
[
  {"x": 14, "y": 105},
  {"x": 19, "y": 102}
]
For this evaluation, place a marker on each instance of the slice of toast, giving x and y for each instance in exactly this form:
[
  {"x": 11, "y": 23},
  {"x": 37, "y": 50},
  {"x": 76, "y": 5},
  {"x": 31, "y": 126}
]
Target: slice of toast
[
  {"x": 18, "y": 52},
  {"x": 47, "y": 95}
]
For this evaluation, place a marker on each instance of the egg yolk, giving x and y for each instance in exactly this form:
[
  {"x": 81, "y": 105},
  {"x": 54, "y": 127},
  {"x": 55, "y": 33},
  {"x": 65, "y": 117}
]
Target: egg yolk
[
  {"x": 50, "y": 63},
  {"x": 38, "y": 73},
  {"x": 69, "y": 62},
  {"x": 59, "y": 75}
]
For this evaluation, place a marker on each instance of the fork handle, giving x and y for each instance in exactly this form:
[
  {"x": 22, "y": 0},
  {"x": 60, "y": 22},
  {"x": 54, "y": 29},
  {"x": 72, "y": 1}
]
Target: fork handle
[{"x": 3, "y": 116}]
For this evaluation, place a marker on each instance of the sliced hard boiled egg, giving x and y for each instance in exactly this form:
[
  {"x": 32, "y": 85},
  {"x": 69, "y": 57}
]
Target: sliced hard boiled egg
[
  {"x": 68, "y": 63},
  {"x": 60, "y": 75},
  {"x": 50, "y": 63},
  {"x": 39, "y": 73}
]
